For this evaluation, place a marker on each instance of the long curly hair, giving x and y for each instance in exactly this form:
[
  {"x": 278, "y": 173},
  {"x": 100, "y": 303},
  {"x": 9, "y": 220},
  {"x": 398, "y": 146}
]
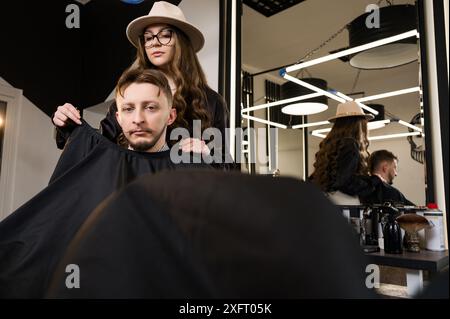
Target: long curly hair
[
  {"x": 325, "y": 166},
  {"x": 190, "y": 98}
]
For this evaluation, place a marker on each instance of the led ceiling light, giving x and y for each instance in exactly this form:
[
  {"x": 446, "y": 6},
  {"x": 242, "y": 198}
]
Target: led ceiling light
[
  {"x": 418, "y": 131},
  {"x": 370, "y": 126},
  {"x": 375, "y": 44},
  {"x": 312, "y": 87},
  {"x": 388, "y": 94},
  {"x": 389, "y": 136},
  {"x": 281, "y": 102},
  {"x": 374, "y": 125},
  {"x": 310, "y": 124},
  {"x": 257, "y": 119},
  {"x": 335, "y": 95},
  {"x": 378, "y": 121},
  {"x": 373, "y": 138}
]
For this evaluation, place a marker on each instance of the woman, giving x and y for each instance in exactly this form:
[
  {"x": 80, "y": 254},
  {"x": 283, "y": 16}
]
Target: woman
[
  {"x": 167, "y": 42},
  {"x": 342, "y": 160}
]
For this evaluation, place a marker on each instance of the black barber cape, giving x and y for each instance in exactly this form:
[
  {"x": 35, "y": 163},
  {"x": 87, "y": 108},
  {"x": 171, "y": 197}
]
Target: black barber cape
[
  {"x": 213, "y": 234},
  {"x": 36, "y": 235}
]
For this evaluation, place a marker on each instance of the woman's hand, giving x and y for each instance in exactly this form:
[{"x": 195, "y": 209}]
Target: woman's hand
[
  {"x": 194, "y": 145},
  {"x": 64, "y": 113}
]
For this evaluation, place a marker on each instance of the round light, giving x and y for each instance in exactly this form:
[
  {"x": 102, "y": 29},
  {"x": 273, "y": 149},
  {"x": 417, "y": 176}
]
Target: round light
[
  {"x": 387, "y": 56},
  {"x": 304, "y": 108},
  {"x": 393, "y": 20}
]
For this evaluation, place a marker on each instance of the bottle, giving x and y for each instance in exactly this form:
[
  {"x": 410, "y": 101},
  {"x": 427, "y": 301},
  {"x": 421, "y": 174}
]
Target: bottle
[
  {"x": 434, "y": 236},
  {"x": 392, "y": 236}
]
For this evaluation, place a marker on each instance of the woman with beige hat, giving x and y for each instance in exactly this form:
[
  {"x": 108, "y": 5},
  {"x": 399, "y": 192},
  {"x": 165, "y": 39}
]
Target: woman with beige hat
[
  {"x": 166, "y": 41},
  {"x": 341, "y": 162}
]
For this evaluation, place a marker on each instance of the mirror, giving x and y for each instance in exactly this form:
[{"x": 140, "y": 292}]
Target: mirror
[{"x": 307, "y": 31}]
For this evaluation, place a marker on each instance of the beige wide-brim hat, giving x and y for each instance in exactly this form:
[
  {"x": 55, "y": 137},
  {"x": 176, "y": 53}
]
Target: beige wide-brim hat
[
  {"x": 350, "y": 109},
  {"x": 166, "y": 13}
]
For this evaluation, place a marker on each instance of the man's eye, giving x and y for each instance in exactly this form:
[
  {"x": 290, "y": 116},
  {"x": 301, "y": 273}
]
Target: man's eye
[
  {"x": 150, "y": 107},
  {"x": 127, "y": 109}
]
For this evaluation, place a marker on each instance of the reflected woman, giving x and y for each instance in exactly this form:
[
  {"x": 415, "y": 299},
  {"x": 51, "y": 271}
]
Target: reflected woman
[{"x": 341, "y": 163}]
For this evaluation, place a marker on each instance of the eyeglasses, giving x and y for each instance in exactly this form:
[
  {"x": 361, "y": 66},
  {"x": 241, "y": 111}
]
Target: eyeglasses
[{"x": 164, "y": 37}]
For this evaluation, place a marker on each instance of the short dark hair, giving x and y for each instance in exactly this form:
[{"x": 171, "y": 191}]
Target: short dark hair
[
  {"x": 150, "y": 76},
  {"x": 377, "y": 157}
]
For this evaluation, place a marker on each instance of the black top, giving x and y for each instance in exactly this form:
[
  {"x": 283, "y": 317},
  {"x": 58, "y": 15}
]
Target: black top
[
  {"x": 346, "y": 179},
  {"x": 35, "y": 236},
  {"x": 385, "y": 193}
]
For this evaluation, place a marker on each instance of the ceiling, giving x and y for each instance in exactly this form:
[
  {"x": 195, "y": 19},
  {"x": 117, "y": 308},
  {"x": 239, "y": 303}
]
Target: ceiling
[
  {"x": 270, "y": 7},
  {"x": 288, "y": 36},
  {"x": 53, "y": 64}
]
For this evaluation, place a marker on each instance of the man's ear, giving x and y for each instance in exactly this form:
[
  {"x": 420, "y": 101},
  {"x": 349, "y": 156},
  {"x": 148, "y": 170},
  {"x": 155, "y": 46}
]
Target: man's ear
[
  {"x": 172, "y": 116},
  {"x": 118, "y": 118}
]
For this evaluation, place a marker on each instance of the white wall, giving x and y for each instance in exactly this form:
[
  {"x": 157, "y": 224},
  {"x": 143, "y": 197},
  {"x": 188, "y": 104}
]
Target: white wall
[
  {"x": 34, "y": 154},
  {"x": 205, "y": 15}
]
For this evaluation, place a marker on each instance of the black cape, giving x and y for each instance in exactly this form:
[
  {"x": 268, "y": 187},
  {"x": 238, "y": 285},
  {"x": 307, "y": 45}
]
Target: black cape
[
  {"x": 384, "y": 193},
  {"x": 343, "y": 172},
  {"x": 210, "y": 234},
  {"x": 36, "y": 235}
]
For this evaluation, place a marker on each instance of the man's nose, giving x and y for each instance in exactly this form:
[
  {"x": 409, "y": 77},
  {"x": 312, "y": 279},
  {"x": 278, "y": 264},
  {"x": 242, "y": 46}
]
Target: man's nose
[{"x": 138, "y": 117}]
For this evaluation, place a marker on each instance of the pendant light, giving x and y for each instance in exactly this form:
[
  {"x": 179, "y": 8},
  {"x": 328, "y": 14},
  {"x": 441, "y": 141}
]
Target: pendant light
[{"x": 393, "y": 20}]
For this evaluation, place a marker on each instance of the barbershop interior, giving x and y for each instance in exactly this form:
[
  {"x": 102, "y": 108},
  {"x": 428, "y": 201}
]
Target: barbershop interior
[{"x": 336, "y": 182}]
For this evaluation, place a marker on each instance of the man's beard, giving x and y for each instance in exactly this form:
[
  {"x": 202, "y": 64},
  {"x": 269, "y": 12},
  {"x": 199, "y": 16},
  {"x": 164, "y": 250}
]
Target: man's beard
[
  {"x": 144, "y": 146},
  {"x": 390, "y": 180}
]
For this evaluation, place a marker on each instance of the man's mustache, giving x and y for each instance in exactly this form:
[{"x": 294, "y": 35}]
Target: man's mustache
[{"x": 146, "y": 130}]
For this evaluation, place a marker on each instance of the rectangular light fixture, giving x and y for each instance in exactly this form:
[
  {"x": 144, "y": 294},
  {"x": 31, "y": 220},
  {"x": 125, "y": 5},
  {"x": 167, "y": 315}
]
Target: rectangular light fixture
[
  {"x": 313, "y": 88},
  {"x": 388, "y": 94},
  {"x": 256, "y": 119},
  {"x": 354, "y": 50},
  {"x": 373, "y": 138},
  {"x": 310, "y": 124},
  {"x": 328, "y": 129},
  {"x": 285, "y": 101},
  {"x": 418, "y": 129},
  {"x": 339, "y": 97},
  {"x": 314, "y": 133},
  {"x": 388, "y": 136}
]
